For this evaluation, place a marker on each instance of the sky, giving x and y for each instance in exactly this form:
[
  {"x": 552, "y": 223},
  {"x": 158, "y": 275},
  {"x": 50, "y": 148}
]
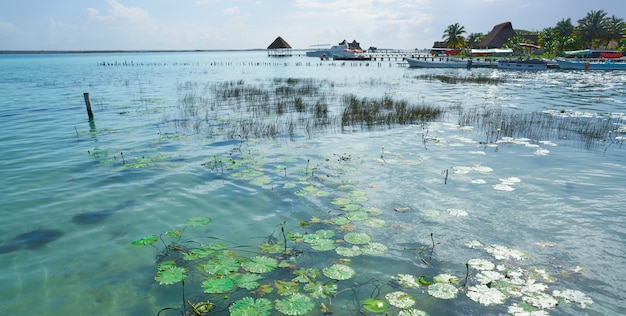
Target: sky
[{"x": 251, "y": 24}]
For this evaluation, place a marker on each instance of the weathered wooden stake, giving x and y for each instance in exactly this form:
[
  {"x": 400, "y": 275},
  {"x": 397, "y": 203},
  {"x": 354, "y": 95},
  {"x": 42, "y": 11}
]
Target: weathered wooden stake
[{"x": 88, "y": 105}]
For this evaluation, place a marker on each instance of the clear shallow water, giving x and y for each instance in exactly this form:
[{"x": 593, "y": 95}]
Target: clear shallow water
[{"x": 565, "y": 211}]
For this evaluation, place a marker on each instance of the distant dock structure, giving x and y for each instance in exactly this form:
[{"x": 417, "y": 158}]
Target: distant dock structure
[{"x": 279, "y": 48}]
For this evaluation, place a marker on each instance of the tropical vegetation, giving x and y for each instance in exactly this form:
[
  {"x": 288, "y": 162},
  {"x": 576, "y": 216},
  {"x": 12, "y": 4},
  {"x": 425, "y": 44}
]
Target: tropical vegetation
[{"x": 596, "y": 30}]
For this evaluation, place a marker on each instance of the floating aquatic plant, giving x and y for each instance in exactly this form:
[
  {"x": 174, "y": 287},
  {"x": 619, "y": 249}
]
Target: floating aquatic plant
[
  {"x": 400, "y": 299},
  {"x": 485, "y": 295},
  {"x": 144, "y": 241},
  {"x": 320, "y": 290},
  {"x": 407, "y": 280},
  {"x": 357, "y": 238},
  {"x": 375, "y": 305},
  {"x": 296, "y": 304},
  {"x": 374, "y": 249},
  {"x": 573, "y": 296},
  {"x": 443, "y": 290},
  {"x": 217, "y": 285},
  {"x": 260, "y": 264},
  {"x": 412, "y": 312},
  {"x": 481, "y": 264},
  {"x": 339, "y": 272},
  {"x": 349, "y": 252},
  {"x": 169, "y": 273},
  {"x": 248, "y": 306},
  {"x": 198, "y": 221}
]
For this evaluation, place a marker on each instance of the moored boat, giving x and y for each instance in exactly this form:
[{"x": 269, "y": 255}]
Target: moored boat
[
  {"x": 523, "y": 64},
  {"x": 590, "y": 65},
  {"x": 436, "y": 63}
]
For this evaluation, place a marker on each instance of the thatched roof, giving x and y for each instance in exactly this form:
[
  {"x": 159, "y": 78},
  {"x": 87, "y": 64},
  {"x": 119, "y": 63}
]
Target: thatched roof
[
  {"x": 498, "y": 36},
  {"x": 279, "y": 43}
]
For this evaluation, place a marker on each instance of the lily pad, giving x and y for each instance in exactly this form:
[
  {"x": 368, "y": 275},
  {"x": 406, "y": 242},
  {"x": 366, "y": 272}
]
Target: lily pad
[
  {"x": 446, "y": 278},
  {"x": 400, "y": 299},
  {"x": 443, "y": 290},
  {"x": 357, "y": 216},
  {"x": 357, "y": 238},
  {"x": 573, "y": 296},
  {"x": 321, "y": 290},
  {"x": 349, "y": 252},
  {"x": 296, "y": 304},
  {"x": 339, "y": 272},
  {"x": 323, "y": 244},
  {"x": 171, "y": 275},
  {"x": 485, "y": 295},
  {"x": 148, "y": 240},
  {"x": 481, "y": 264},
  {"x": 173, "y": 233},
  {"x": 197, "y": 221},
  {"x": 217, "y": 285},
  {"x": 374, "y": 249},
  {"x": 412, "y": 312},
  {"x": 341, "y": 201},
  {"x": 247, "y": 306},
  {"x": 407, "y": 280},
  {"x": 247, "y": 281},
  {"x": 221, "y": 266},
  {"x": 260, "y": 264},
  {"x": 375, "y": 305}
]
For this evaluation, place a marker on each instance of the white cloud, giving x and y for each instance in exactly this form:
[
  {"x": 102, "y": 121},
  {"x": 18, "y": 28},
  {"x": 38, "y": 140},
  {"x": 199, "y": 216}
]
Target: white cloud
[{"x": 117, "y": 10}]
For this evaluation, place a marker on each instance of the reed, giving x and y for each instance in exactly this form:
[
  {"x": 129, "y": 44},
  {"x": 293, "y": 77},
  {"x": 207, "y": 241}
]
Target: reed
[
  {"x": 480, "y": 79},
  {"x": 586, "y": 130}
]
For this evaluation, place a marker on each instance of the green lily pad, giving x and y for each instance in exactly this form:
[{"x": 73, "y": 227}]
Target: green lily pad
[
  {"x": 446, "y": 278},
  {"x": 341, "y": 220},
  {"x": 197, "y": 221},
  {"x": 374, "y": 249},
  {"x": 349, "y": 252},
  {"x": 171, "y": 275},
  {"x": 217, "y": 285},
  {"x": 247, "y": 281},
  {"x": 357, "y": 238},
  {"x": 339, "y": 272},
  {"x": 443, "y": 290},
  {"x": 375, "y": 305},
  {"x": 173, "y": 233},
  {"x": 148, "y": 240},
  {"x": 485, "y": 295},
  {"x": 247, "y": 306},
  {"x": 357, "y": 216},
  {"x": 323, "y": 244},
  {"x": 400, "y": 299},
  {"x": 341, "y": 201},
  {"x": 320, "y": 290},
  {"x": 374, "y": 222},
  {"x": 350, "y": 207},
  {"x": 306, "y": 275},
  {"x": 221, "y": 266},
  {"x": 407, "y": 280},
  {"x": 260, "y": 264},
  {"x": 296, "y": 304}
]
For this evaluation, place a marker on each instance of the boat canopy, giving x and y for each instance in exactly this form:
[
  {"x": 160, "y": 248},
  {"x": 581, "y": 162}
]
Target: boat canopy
[
  {"x": 447, "y": 51},
  {"x": 590, "y": 53},
  {"x": 491, "y": 52}
]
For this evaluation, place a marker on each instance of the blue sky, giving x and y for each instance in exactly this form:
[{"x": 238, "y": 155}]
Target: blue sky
[{"x": 244, "y": 24}]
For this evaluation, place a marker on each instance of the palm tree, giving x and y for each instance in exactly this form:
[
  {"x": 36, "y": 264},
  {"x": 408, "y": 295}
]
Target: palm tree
[
  {"x": 564, "y": 27},
  {"x": 453, "y": 36},
  {"x": 615, "y": 28},
  {"x": 514, "y": 43},
  {"x": 474, "y": 38},
  {"x": 548, "y": 39},
  {"x": 593, "y": 26}
]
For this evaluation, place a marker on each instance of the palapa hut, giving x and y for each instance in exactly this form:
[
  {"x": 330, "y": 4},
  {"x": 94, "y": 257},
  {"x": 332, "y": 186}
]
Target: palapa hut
[
  {"x": 279, "y": 48},
  {"x": 499, "y": 35}
]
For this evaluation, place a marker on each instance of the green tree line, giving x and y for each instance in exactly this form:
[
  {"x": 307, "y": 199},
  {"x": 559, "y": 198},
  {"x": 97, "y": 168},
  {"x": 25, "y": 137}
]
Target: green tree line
[{"x": 596, "y": 30}]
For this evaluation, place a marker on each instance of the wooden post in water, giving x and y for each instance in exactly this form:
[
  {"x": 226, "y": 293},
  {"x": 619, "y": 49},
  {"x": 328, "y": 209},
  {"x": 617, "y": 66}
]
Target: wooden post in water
[{"x": 88, "y": 105}]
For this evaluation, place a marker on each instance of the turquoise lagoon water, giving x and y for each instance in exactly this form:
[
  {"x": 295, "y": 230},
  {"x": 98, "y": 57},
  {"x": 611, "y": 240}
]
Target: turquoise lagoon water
[{"x": 435, "y": 195}]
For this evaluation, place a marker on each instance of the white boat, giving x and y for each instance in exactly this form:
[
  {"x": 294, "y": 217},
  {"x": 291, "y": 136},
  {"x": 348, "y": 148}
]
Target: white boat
[
  {"x": 523, "y": 64},
  {"x": 589, "y": 65},
  {"x": 434, "y": 62},
  {"x": 341, "y": 51}
]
